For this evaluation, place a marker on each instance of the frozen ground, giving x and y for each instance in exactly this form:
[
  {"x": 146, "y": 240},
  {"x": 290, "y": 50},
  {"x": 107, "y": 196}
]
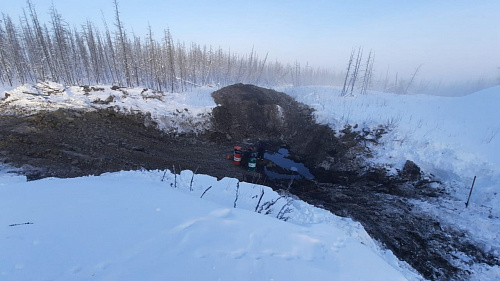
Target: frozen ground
[
  {"x": 175, "y": 113},
  {"x": 453, "y": 138}
]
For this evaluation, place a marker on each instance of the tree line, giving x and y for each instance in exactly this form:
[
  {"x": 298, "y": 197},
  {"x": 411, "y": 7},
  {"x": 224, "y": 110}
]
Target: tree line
[{"x": 31, "y": 51}]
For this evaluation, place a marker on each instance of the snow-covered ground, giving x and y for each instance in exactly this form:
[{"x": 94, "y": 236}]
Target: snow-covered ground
[
  {"x": 149, "y": 225},
  {"x": 453, "y": 138},
  {"x": 174, "y": 112},
  {"x": 119, "y": 225}
]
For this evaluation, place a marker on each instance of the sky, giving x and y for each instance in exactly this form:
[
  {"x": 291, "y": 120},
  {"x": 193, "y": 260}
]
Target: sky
[{"x": 453, "y": 40}]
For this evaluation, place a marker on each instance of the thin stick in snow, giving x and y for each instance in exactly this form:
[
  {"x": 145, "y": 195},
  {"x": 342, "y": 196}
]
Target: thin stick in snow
[
  {"x": 237, "y": 192},
  {"x": 267, "y": 206},
  {"x": 284, "y": 210},
  {"x": 192, "y": 178},
  {"x": 205, "y": 191},
  {"x": 470, "y": 193},
  {"x": 175, "y": 176},
  {"x": 164, "y": 173},
  {"x": 260, "y": 198}
]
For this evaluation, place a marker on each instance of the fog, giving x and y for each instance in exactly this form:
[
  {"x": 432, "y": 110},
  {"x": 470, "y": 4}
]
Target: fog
[{"x": 452, "y": 41}]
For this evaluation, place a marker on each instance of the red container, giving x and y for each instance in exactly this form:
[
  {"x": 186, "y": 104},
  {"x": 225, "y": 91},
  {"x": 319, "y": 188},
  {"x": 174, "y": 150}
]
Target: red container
[{"x": 237, "y": 155}]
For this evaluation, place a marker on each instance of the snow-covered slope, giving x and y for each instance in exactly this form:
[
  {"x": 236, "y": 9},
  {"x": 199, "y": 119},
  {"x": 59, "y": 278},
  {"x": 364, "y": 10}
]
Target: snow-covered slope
[
  {"x": 174, "y": 113},
  {"x": 151, "y": 226},
  {"x": 453, "y": 138}
]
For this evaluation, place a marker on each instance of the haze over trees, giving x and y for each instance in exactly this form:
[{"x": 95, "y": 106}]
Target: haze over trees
[{"x": 32, "y": 51}]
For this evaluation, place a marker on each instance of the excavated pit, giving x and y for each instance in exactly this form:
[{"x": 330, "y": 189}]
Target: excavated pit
[
  {"x": 70, "y": 143},
  {"x": 345, "y": 183},
  {"x": 247, "y": 113}
]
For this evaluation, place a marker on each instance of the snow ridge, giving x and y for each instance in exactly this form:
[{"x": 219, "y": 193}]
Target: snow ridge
[{"x": 153, "y": 225}]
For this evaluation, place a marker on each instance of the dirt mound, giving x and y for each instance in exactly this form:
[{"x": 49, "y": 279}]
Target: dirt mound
[
  {"x": 251, "y": 112},
  {"x": 248, "y": 111}
]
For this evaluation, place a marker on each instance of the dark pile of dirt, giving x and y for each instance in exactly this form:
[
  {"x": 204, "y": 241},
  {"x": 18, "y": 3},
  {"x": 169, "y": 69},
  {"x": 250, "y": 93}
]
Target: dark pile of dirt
[{"x": 251, "y": 112}]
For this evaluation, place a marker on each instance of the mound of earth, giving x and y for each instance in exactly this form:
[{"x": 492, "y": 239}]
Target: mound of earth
[{"x": 255, "y": 113}]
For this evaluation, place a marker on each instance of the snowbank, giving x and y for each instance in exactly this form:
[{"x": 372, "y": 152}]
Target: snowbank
[
  {"x": 175, "y": 113},
  {"x": 151, "y": 226}
]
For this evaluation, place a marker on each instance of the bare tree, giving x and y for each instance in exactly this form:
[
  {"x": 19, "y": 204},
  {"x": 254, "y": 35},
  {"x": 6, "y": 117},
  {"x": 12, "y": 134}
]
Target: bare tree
[
  {"x": 367, "y": 74},
  {"x": 41, "y": 41},
  {"x": 411, "y": 80},
  {"x": 123, "y": 44},
  {"x": 355, "y": 73},
  {"x": 14, "y": 52},
  {"x": 386, "y": 80},
  {"x": 110, "y": 55},
  {"x": 170, "y": 60},
  {"x": 182, "y": 65},
  {"x": 95, "y": 66},
  {"x": 349, "y": 65},
  {"x": 61, "y": 47},
  {"x": 5, "y": 67}
]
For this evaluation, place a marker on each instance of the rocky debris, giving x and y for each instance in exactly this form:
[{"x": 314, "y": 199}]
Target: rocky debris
[
  {"x": 88, "y": 89},
  {"x": 411, "y": 171},
  {"x": 108, "y": 100}
]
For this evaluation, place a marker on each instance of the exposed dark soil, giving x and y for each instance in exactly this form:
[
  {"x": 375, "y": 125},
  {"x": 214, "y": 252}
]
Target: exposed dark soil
[{"x": 68, "y": 143}]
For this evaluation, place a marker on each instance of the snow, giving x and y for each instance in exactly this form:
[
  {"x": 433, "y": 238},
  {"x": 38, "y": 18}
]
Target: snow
[
  {"x": 452, "y": 138},
  {"x": 175, "y": 113},
  {"x": 116, "y": 225},
  {"x": 149, "y": 225}
]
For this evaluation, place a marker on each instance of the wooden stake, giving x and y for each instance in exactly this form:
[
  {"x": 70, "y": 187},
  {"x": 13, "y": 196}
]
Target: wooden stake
[{"x": 467, "y": 203}]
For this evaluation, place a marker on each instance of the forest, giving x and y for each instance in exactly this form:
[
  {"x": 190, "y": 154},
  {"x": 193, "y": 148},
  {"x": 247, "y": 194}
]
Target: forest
[{"x": 33, "y": 51}]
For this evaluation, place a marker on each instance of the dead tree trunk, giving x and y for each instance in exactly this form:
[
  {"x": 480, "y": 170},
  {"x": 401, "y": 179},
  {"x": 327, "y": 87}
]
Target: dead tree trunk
[
  {"x": 411, "y": 80},
  {"x": 355, "y": 73},
  {"x": 344, "y": 89}
]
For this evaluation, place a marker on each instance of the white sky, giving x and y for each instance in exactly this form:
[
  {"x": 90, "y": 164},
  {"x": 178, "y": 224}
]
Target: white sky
[{"x": 452, "y": 39}]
